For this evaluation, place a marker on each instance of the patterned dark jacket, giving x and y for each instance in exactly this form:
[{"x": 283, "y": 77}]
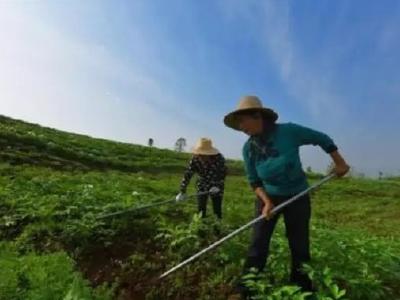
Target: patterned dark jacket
[{"x": 210, "y": 173}]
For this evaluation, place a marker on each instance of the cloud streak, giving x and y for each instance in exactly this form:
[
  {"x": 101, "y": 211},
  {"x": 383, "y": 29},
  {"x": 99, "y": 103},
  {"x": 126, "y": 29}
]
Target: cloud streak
[{"x": 55, "y": 79}]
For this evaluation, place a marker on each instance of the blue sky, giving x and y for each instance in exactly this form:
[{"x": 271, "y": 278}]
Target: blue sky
[{"x": 130, "y": 70}]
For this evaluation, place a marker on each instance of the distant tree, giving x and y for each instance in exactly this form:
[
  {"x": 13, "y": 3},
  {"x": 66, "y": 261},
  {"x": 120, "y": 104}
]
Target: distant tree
[
  {"x": 380, "y": 174},
  {"x": 150, "y": 142},
  {"x": 309, "y": 170},
  {"x": 180, "y": 144}
]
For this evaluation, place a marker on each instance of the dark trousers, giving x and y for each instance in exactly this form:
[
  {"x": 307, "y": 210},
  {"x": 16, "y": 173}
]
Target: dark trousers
[
  {"x": 297, "y": 218},
  {"x": 216, "y": 202}
]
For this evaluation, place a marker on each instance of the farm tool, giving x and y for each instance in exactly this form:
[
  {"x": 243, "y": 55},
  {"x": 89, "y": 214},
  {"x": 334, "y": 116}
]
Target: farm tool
[{"x": 213, "y": 190}]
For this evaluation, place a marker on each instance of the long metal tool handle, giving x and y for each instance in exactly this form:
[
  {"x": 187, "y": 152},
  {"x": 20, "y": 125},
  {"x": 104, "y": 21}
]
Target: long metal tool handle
[
  {"x": 148, "y": 206},
  {"x": 240, "y": 229},
  {"x": 294, "y": 198}
]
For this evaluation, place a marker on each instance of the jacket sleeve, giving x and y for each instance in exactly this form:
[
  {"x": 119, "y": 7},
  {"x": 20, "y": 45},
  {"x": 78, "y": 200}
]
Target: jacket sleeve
[
  {"x": 188, "y": 174},
  {"x": 308, "y": 136},
  {"x": 222, "y": 167},
  {"x": 250, "y": 168}
]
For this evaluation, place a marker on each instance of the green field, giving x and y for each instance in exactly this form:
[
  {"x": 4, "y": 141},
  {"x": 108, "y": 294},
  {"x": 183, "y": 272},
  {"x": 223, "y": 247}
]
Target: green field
[{"x": 53, "y": 185}]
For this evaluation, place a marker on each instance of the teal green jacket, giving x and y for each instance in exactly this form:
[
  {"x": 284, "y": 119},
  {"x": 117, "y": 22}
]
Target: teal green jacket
[{"x": 272, "y": 159}]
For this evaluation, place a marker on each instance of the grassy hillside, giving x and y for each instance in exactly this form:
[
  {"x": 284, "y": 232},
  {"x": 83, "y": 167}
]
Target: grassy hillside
[
  {"x": 22, "y": 142},
  {"x": 53, "y": 185}
]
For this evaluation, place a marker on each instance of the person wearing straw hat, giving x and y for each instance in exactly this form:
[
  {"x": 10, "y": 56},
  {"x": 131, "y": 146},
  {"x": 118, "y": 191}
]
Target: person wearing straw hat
[
  {"x": 274, "y": 171},
  {"x": 209, "y": 164}
]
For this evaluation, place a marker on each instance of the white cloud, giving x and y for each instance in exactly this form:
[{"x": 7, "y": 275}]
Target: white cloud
[
  {"x": 305, "y": 82},
  {"x": 55, "y": 79},
  {"x": 271, "y": 24}
]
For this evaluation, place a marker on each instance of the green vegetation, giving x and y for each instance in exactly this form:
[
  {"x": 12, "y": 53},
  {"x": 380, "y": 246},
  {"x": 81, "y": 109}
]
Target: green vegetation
[{"x": 53, "y": 185}]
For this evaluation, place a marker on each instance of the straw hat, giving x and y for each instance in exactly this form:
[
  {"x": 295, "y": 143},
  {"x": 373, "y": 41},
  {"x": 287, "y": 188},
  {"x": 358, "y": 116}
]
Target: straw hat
[
  {"x": 248, "y": 104},
  {"x": 204, "y": 147}
]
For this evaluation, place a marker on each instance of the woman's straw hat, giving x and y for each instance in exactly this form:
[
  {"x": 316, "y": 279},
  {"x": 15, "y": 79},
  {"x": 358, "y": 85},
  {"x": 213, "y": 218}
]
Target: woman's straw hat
[
  {"x": 248, "y": 104},
  {"x": 204, "y": 147}
]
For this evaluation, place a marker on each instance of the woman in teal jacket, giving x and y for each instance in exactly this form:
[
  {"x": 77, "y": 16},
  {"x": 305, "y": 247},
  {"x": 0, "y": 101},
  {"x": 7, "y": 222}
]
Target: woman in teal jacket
[{"x": 274, "y": 171}]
